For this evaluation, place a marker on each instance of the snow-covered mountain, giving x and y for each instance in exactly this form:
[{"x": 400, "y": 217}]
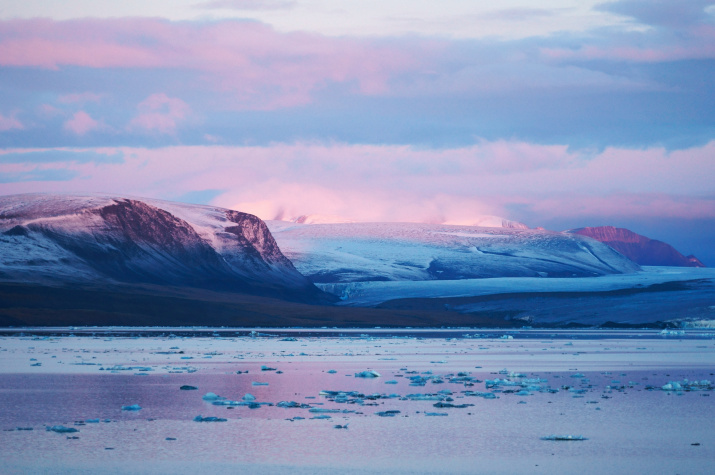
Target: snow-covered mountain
[
  {"x": 47, "y": 238},
  {"x": 357, "y": 252},
  {"x": 638, "y": 248}
]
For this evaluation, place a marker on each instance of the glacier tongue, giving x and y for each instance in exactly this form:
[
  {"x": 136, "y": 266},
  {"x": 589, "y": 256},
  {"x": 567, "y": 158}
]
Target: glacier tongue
[{"x": 360, "y": 252}]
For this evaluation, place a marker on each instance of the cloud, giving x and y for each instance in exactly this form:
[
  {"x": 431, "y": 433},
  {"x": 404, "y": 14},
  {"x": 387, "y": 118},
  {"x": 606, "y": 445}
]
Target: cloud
[
  {"x": 10, "y": 123},
  {"x": 517, "y": 14},
  {"x": 247, "y": 5},
  {"x": 528, "y": 182},
  {"x": 259, "y": 67},
  {"x": 669, "y": 13},
  {"x": 674, "y": 30},
  {"x": 160, "y": 113},
  {"x": 81, "y": 123}
]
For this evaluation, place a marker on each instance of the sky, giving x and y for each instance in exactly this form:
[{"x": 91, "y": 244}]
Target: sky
[{"x": 567, "y": 114}]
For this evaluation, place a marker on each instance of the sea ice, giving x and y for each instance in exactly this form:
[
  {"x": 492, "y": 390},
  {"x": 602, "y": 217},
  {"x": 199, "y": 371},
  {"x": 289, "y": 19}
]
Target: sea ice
[
  {"x": 564, "y": 437},
  {"x": 209, "y": 419},
  {"x": 61, "y": 429},
  {"x": 133, "y": 407},
  {"x": 367, "y": 374}
]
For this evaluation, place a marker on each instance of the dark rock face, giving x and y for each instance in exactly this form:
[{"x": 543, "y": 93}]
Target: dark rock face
[
  {"x": 640, "y": 249},
  {"x": 134, "y": 241}
]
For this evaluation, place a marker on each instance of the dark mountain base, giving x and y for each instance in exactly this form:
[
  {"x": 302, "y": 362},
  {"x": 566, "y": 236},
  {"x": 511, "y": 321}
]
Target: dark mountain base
[
  {"x": 33, "y": 305},
  {"x": 640, "y": 307}
]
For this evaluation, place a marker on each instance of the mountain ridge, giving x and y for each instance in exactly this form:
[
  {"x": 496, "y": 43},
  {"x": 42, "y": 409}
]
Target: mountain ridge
[
  {"x": 75, "y": 238},
  {"x": 639, "y": 248}
]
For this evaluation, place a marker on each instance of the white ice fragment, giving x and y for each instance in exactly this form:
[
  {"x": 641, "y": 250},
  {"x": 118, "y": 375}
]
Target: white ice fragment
[
  {"x": 367, "y": 374},
  {"x": 249, "y": 397}
]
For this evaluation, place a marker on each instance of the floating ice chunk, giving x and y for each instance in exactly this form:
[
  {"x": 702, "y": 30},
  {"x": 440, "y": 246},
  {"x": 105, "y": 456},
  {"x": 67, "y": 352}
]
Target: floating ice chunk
[
  {"x": 672, "y": 332},
  {"x": 249, "y": 397},
  {"x": 92, "y": 421},
  {"x": 486, "y": 395},
  {"x": 391, "y": 413},
  {"x": 392, "y": 381},
  {"x": 332, "y": 371},
  {"x": 225, "y": 402},
  {"x": 449, "y": 404},
  {"x": 133, "y": 407},
  {"x": 322, "y": 416},
  {"x": 209, "y": 419},
  {"x": 367, "y": 374},
  {"x": 186, "y": 387},
  {"x": 290, "y": 338},
  {"x": 61, "y": 429},
  {"x": 564, "y": 437},
  {"x": 436, "y": 414},
  {"x": 324, "y": 410},
  {"x": 424, "y": 397},
  {"x": 338, "y": 426},
  {"x": 211, "y": 397},
  {"x": 506, "y": 337},
  {"x": 267, "y": 368},
  {"x": 292, "y": 404},
  {"x": 258, "y": 383}
]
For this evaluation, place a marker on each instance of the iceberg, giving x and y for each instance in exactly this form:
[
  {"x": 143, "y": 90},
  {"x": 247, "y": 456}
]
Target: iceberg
[
  {"x": 61, "y": 429},
  {"x": 367, "y": 374},
  {"x": 292, "y": 404},
  {"x": 133, "y": 407},
  {"x": 209, "y": 419},
  {"x": 564, "y": 437}
]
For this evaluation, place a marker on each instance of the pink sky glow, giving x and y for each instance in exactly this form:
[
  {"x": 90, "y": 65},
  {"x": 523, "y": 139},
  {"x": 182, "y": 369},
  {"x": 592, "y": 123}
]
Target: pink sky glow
[{"x": 401, "y": 183}]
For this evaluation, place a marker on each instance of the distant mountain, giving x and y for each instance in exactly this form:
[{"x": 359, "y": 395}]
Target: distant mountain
[
  {"x": 97, "y": 239},
  {"x": 358, "y": 252},
  {"x": 640, "y": 249}
]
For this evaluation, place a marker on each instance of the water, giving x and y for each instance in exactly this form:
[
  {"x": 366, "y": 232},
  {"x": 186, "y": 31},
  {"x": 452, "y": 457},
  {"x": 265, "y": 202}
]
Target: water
[{"x": 629, "y": 428}]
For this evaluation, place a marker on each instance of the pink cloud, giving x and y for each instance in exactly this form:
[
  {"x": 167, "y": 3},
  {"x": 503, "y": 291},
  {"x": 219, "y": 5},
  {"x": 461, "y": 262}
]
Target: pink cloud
[
  {"x": 160, "y": 113},
  {"x": 247, "y": 4},
  {"x": 401, "y": 183},
  {"x": 10, "y": 123},
  {"x": 262, "y": 68},
  {"x": 81, "y": 123}
]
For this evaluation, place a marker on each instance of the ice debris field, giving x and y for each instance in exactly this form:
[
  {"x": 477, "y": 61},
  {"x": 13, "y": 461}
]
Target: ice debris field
[{"x": 287, "y": 402}]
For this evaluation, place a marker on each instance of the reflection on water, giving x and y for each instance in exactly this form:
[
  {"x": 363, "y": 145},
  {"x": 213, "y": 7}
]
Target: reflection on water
[{"x": 550, "y": 388}]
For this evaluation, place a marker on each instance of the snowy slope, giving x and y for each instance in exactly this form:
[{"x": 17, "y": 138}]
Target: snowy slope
[
  {"x": 98, "y": 238},
  {"x": 355, "y": 252}
]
